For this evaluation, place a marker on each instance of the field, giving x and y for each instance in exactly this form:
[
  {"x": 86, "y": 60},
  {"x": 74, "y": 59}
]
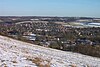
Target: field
[{"x": 15, "y": 53}]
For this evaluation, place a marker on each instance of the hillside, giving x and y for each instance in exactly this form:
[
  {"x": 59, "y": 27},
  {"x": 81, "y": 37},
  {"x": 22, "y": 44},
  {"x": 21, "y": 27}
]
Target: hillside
[{"x": 15, "y": 53}]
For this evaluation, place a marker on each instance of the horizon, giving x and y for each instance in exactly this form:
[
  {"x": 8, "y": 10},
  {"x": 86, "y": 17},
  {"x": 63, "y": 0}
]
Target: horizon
[
  {"x": 51, "y": 8},
  {"x": 51, "y": 16}
]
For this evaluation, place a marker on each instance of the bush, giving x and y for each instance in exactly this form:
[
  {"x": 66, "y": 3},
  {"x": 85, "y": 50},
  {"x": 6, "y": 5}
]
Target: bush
[{"x": 87, "y": 50}]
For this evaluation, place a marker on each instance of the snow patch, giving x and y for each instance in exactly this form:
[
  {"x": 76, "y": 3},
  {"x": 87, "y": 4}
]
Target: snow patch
[{"x": 15, "y": 53}]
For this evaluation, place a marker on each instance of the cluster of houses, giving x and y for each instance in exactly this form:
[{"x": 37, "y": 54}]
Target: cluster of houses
[
  {"x": 30, "y": 36},
  {"x": 50, "y": 33}
]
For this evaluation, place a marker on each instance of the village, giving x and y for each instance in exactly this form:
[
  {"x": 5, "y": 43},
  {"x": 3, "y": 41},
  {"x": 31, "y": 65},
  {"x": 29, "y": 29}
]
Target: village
[{"x": 50, "y": 33}]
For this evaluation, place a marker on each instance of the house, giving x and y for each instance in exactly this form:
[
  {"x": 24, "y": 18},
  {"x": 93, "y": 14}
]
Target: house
[
  {"x": 31, "y": 37},
  {"x": 83, "y": 41},
  {"x": 14, "y": 32}
]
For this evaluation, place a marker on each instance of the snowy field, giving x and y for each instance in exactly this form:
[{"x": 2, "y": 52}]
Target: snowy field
[{"x": 15, "y": 53}]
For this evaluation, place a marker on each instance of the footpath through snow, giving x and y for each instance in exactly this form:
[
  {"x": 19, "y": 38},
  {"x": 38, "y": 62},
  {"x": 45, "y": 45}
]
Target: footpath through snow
[{"x": 15, "y": 53}]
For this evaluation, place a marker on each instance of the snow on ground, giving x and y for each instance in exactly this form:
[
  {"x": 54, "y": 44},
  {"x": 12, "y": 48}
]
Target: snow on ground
[{"x": 15, "y": 53}]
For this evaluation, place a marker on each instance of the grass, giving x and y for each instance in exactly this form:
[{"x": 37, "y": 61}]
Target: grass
[
  {"x": 39, "y": 62},
  {"x": 73, "y": 65},
  {"x": 14, "y": 61}
]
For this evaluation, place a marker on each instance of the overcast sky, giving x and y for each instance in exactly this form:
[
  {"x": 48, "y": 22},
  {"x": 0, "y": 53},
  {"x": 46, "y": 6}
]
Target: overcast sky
[{"x": 89, "y": 8}]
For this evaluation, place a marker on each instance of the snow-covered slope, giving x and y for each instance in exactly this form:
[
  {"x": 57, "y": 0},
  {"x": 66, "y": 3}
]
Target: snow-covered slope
[{"x": 15, "y": 53}]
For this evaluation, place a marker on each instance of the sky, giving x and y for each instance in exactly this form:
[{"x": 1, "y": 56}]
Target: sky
[{"x": 71, "y": 8}]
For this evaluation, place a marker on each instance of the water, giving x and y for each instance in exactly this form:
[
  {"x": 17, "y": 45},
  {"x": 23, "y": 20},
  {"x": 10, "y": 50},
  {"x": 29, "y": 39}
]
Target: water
[{"x": 90, "y": 24}]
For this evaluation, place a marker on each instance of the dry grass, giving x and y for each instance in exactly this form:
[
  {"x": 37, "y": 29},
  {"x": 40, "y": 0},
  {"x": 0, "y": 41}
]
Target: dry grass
[
  {"x": 39, "y": 62},
  {"x": 73, "y": 65},
  {"x": 4, "y": 65},
  {"x": 14, "y": 61}
]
